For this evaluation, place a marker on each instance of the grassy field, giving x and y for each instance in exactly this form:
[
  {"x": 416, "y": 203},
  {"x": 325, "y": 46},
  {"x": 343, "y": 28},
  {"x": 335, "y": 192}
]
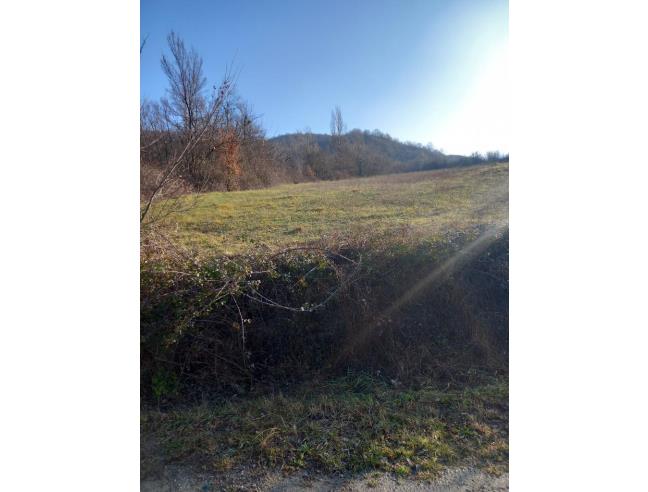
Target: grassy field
[
  {"x": 431, "y": 202},
  {"x": 403, "y": 372}
]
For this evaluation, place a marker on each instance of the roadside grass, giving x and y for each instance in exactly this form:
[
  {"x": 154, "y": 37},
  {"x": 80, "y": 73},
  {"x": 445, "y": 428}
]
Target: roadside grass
[
  {"x": 430, "y": 202},
  {"x": 351, "y": 424}
]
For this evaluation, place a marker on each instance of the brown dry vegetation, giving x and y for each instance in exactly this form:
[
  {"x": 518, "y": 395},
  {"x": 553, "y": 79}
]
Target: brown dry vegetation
[{"x": 396, "y": 285}]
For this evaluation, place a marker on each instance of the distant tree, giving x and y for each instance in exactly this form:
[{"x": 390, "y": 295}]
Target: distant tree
[
  {"x": 493, "y": 156},
  {"x": 338, "y": 127},
  {"x": 357, "y": 153},
  {"x": 345, "y": 152},
  {"x": 476, "y": 157}
]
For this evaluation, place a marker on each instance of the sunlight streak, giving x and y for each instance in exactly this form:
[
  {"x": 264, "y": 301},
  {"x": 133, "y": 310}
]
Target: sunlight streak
[{"x": 460, "y": 258}]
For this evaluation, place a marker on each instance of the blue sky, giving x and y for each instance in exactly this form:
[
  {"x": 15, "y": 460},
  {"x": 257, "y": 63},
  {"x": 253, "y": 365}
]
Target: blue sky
[{"x": 422, "y": 70}]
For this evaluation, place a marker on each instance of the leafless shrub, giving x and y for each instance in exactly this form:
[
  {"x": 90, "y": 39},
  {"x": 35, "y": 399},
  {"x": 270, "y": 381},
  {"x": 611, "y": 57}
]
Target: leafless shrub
[
  {"x": 199, "y": 139},
  {"x": 340, "y": 304},
  {"x": 195, "y": 139}
]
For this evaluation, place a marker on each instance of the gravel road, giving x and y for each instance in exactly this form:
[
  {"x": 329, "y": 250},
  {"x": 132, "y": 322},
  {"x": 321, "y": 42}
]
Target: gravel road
[{"x": 453, "y": 480}]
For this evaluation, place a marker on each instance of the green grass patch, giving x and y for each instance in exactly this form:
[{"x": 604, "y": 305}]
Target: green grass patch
[
  {"x": 353, "y": 424},
  {"x": 428, "y": 203}
]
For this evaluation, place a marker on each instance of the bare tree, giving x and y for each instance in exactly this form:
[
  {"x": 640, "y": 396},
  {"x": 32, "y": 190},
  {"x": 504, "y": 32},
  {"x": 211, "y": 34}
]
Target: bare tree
[
  {"x": 493, "y": 156},
  {"x": 339, "y": 145},
  {"x": 179, "y": 156},
  {"x": 338, "y": 128},
  {"x": 184, "y": 71},
  {"x": 183, "y": 137}
]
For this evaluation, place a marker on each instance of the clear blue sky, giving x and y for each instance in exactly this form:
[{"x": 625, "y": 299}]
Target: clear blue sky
[{"x": 421, "y": 70}]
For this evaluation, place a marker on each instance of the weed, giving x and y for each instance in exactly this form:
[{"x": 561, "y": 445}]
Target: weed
[
  {"x": 331, "y": 428},
  {"x": 164, "y": 384}
]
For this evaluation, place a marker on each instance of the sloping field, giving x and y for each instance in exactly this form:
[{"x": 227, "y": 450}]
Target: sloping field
[
  {"x": 429, "y": 202},
  {"x": 363, "y": 353}
]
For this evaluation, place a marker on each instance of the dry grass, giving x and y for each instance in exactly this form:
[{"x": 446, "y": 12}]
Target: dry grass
[
  {"x": 428, "y": 203},
  {"x": 352, "y": 424},
  {"x": 357, "y": 422}
]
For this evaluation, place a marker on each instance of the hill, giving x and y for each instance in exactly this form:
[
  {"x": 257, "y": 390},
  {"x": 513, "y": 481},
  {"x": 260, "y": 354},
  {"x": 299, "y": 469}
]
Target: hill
[
  {"x": 374, "y": 142},
  {"x": 358, "y": 153}
]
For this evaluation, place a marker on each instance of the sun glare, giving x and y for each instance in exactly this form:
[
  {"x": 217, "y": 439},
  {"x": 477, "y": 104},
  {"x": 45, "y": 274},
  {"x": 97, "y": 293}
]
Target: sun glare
[{"x": 480, "y": 124}]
